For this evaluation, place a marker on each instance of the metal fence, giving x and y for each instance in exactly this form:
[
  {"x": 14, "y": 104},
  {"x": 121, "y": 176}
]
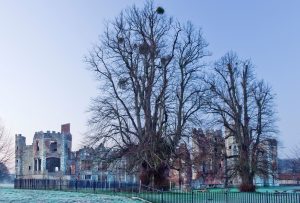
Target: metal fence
[
  {"x": 154, "y": 195},
  {"x": 74, "y": 185},
  {"x": 227, "y": 197}
]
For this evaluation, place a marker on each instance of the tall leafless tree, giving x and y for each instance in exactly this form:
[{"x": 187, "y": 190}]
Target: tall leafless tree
[
  {"x": 148, "y": 68},
  {"x": 245, "y": 106}
]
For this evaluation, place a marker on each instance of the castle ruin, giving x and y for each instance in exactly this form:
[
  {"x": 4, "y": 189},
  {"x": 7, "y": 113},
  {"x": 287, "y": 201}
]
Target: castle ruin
[{"x": 50, "y": 156}]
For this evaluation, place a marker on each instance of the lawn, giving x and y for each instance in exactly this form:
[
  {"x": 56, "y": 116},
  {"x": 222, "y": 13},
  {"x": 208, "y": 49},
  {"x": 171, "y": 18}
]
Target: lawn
[
  {"x": 263, "y": 195},
  {"x": 43, "y": 196}
]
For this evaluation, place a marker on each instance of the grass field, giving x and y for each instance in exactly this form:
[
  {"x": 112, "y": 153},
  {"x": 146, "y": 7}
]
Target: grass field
[
  {"x": 47, "y": 196},
  {"x": 263, "y": 195}
]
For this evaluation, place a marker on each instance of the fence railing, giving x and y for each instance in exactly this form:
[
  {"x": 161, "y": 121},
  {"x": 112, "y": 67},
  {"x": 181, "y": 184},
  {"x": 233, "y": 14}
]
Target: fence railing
[
  {"x": 62, "y": 184},
  {"x": 228, "y": 197},
  {"x": 154, "y": 195}
]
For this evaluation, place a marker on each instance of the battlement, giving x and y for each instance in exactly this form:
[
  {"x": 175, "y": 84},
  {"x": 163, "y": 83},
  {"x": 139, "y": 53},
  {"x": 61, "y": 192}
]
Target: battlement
[
  {"x": 47, "y": 132},
  {"x": 65, "y": 129},
  {"x": 20, "y": 138}
]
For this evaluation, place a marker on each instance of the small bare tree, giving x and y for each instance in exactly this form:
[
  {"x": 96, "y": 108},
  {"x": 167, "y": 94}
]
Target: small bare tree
[
  {"x": 6, "y": 152},
  {"x": 148, "y": 68},
  {"x": 245, "y": 106}
]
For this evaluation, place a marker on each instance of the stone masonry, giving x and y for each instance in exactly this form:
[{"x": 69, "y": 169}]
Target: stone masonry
[{"x": 50, "y": 156}]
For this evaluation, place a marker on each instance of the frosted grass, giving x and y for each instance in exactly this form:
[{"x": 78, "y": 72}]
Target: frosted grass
[{"x": 48, "y": 196}]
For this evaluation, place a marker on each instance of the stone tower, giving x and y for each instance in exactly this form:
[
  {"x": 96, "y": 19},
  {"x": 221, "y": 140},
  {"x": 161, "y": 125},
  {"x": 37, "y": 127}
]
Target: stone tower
[
  {"x": 66, "y": 146},
  {"x": 20, "y": 145}
]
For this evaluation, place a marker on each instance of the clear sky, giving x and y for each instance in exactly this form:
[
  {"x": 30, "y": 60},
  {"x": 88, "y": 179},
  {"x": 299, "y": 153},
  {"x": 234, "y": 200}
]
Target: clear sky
[{"x": 44, "y": 81}]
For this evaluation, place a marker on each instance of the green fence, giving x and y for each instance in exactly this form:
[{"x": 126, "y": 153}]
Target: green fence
[{"x": 222, "y": 197}]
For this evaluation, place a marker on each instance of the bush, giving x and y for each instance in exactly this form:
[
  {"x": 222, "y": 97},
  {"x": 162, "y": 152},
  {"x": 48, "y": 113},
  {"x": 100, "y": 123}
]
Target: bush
[{"x": 247, "y": 187}]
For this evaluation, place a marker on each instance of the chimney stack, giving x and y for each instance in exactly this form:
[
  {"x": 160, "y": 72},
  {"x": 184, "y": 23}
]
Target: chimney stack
[{"x": 65, "y": 128}]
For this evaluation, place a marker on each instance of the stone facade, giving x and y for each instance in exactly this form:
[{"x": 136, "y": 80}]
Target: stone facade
[
  {"x": 50, "y": 156},
  {"x": 268, "y": 158},
  {"x": 208, "y": 156},
  {"x": 201, "y": 160},
  {"x": 210, "y": 159}
]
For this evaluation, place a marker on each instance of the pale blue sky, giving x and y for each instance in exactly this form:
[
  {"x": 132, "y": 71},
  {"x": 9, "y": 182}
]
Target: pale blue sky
[{"x": 44, "y": 82}]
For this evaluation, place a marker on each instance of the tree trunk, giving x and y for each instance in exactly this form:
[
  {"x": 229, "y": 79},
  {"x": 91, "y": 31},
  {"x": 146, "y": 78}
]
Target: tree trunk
[
  {"x": 158, "y": 178},
  {"x": 161, "y": 178},
  {"x": 245, "y": 171}
]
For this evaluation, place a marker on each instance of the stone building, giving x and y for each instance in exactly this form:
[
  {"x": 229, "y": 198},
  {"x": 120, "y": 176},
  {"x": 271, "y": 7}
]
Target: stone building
[
  {"x": 211, "y": 157},
  {"x": 50, "y": 156},
  {"x": 208, "y": 157},
  {"x": 267, "y": 159},
  {"x": 200, "y": 161}
]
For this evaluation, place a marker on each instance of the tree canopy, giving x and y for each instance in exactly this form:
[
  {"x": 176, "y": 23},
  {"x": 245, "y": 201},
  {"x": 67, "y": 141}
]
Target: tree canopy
[
  {"x": 148, "y": 67},
  {"x": 153, "y": 93}
]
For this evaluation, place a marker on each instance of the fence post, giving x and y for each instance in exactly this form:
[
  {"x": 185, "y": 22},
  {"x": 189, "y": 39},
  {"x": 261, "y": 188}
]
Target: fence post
[
  {"x": 226, "y": 197},
  {"x": 76, "y": 184},
  {"x": 140, "y": 186},
  {"x": 59, "y": 183},
  {"x": 192, "y": 196},
  {"x": 162, "y": 196}
]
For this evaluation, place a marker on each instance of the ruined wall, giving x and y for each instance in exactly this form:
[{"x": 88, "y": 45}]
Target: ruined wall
[
  {"x": 54, "y": 152},
  {"x": 28, "y": 161},
  {"x": 49, "y": 153},
  {"x": 50, "y": 157}
]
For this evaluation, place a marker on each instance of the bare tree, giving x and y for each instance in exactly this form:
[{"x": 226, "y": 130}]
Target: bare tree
[
  {"x": 6, "y": 152},
  {"x": 245, "y": 106},
  {"x": 148, "y": 68}
]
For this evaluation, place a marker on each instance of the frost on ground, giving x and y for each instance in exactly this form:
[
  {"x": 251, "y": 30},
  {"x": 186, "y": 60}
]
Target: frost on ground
[{"x": 47, "y": 196}]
